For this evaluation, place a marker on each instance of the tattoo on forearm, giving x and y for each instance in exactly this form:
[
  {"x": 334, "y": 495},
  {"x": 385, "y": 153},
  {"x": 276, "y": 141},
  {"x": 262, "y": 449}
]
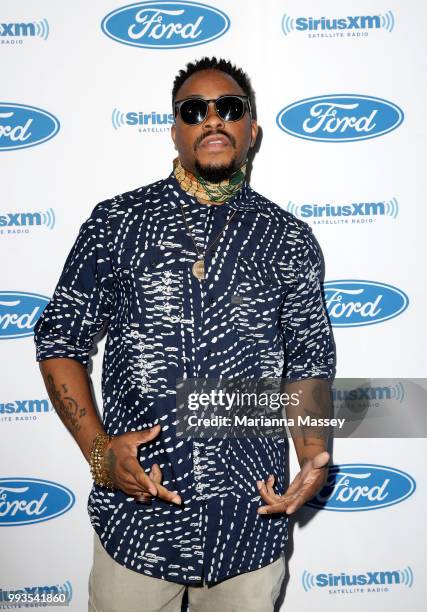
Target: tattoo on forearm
[{"x": 66, "y": 406}]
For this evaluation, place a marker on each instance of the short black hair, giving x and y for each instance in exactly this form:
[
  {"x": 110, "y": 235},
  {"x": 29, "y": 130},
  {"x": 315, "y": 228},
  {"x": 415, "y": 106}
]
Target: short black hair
[{"x": 213, "y": 63}]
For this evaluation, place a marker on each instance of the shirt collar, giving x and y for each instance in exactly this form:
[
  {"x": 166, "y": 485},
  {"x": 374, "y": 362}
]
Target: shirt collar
[{"x": 244, "y": 200}]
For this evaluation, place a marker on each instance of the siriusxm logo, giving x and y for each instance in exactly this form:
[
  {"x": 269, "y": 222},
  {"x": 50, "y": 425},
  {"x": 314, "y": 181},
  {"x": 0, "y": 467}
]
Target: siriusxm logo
[
  {"x": 39, "y": 595},
  {"x": 165, "y": 25},
  {"x": 351, "y": 303},
  {"x": 145, "y": 122},
  {"x": 339, "y": 118},
  {"x": 357, "y": 487},
  {"x": 14, "y": 33},
  {"x": 351, "y": 212},
  {"x": 24, "y": 410},
  {"x": 26, "y": 406},
  {"x": 24, "y": 126},
  {"x": 370, "y": 581},
  {"x": 19, "y": 222},
  {"x": 370, "y": 394},
  {"x": 28, "y": 500},
  {"x": 352, "y": 25},
  {"x": 19, "y": 312}
]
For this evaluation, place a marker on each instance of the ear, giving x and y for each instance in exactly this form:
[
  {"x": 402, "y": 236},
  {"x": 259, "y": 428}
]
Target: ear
[
  {"x": 254, "y": 132},
  {"x": 173, "y": 134}
]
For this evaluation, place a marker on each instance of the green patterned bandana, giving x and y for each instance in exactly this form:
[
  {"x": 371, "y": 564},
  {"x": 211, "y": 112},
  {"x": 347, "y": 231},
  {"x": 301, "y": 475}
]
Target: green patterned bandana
[{"x": 204, "y": 190}]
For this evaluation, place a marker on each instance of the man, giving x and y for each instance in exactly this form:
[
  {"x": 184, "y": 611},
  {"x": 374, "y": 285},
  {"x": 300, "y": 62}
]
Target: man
[{"x": 194, "y": 276}]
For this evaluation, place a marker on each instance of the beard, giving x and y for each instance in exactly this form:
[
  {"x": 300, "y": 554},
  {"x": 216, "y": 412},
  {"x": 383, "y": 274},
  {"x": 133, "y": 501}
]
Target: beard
[{"x": 216, "y": 174}]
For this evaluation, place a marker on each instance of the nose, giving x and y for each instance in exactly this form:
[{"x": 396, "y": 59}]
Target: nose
[{"x": 213, "y": 120}]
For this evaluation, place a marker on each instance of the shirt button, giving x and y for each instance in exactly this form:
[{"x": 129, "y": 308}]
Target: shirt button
[
  {"x": 211, "y": 299},
  {"x": 209, "y": 353}
]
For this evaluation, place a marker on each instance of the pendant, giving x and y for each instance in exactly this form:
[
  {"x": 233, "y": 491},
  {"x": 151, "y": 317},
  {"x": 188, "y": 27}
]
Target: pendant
[{"x": 198, "y": 268}]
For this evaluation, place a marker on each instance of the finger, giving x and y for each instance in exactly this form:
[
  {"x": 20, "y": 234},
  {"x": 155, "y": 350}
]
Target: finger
[
  {"x": 134, "y": 490},
  {"x": 270, "y": 498},
  {"x": 272, "y": 509},
  {"x": 321, "y": 460},
  {"x": 143, "y": 436},
  {"x": 140, "y": 478},
  {"x": 156, "y": 489},
  {"x": 144, "y": 498},
  {"x": 285, "y": 505},
  {"x": 168, "y": 496},
  {"x": 269, "y": 484},
  {"x": 156, "y": 473}
]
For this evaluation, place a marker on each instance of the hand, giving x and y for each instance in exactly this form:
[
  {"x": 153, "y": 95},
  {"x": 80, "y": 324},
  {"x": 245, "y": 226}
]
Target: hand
[
  {"x": 156, "y": 476},
  {"x": 304, "y": 487},
  {"x": 126, "y": 472}
]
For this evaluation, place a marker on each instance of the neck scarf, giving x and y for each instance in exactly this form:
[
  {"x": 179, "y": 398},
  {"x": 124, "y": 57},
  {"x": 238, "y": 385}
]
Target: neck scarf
[{"x": 204, "y": 190}]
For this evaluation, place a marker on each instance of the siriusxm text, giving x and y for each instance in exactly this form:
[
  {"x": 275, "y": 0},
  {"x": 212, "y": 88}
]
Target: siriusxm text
[
  {"x": 25, "y": 406},
  {"x": 345, "y": 210},
  {"x": 18, "y": 29},
  {"x": 20, "y": 219},
  {"x": 153, "y": 118},
  {"x": 363, "y": 393},
  {"x": 352, "y": 22},
  {"x": 368, "y": 578}
]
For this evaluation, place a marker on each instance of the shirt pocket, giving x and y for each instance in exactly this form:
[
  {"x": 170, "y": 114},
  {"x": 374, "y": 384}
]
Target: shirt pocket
[
  {"x": 261, "y": 286},
  {"x": 150, "y": 286}
]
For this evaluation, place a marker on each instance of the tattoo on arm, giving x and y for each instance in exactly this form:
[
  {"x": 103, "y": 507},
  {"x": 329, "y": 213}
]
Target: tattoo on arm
[{"x": 66, "y": 406}]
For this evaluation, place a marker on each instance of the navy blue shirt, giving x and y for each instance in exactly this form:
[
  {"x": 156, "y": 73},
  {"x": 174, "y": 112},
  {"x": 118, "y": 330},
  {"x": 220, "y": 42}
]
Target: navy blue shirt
[{"x": 129, "y": 271}]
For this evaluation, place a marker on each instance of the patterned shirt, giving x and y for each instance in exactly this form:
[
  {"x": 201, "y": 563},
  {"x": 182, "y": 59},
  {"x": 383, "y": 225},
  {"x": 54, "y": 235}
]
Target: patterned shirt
[{"x": 129, "y": 272}]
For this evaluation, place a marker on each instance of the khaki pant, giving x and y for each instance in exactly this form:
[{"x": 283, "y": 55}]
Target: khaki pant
[{"x": 114, "y": 588}]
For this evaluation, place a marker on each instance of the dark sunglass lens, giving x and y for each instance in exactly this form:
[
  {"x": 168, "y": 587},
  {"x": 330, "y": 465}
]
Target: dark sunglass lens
[
  {"x": 230, "y": 108},
  {"x": 193, "y": 111}
]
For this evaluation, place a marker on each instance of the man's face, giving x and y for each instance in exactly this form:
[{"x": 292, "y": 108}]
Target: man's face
[{"x": 215, "y": 148}]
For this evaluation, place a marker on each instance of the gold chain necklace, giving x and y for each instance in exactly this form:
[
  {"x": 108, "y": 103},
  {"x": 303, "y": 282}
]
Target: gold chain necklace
[{"x": 198, "y": 268}]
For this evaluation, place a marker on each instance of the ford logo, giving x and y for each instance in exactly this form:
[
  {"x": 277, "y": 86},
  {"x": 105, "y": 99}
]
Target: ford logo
[
  {"x": 359, "y": 486},
  {"x": 351, "y": 303},
  {"x": 28, "y": 500},
  {"x": 23, "y": 126},
  {"x": 340, "y": 118},
  {"x": 19, "y": 312},
  {"x": 165, "y": 25}
]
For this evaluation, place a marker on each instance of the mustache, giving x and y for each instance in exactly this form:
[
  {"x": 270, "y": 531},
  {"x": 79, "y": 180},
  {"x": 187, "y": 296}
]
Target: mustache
[{"x": 199, "y": 140}]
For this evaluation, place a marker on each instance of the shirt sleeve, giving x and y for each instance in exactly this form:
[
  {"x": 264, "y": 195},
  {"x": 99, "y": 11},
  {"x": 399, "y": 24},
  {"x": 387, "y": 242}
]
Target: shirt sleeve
[
  {"x": 307, "y": 333},
  {"x": 81, "y": 303}
]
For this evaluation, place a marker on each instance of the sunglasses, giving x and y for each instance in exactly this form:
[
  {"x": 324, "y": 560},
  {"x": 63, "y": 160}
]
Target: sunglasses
[{"x": 195, "y": 110}]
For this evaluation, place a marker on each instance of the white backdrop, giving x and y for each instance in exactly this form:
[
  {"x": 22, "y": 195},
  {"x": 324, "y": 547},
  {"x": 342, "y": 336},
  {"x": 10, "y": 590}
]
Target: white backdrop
[{"x": 55, "y": 56}]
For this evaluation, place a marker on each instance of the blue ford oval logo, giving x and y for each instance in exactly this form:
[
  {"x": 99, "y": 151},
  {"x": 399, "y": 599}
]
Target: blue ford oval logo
[
  {"x": 359, "y": 486},
  {"x": 340, "y": 118},
  {"x": 165, "y": 25},
  {"x": 29, "y": 500},
  {"x": 351, "y": 303},
  {"x": 23, "y": 126},
  {"x": 19, "y": 312}
]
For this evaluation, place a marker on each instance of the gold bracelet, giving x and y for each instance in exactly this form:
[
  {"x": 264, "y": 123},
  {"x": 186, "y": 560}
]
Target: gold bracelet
[{"x": 98, "y": 469}]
